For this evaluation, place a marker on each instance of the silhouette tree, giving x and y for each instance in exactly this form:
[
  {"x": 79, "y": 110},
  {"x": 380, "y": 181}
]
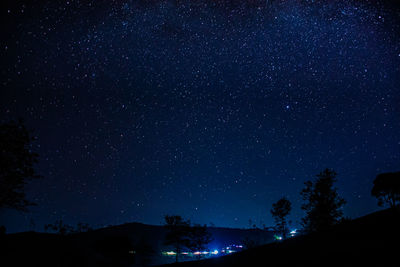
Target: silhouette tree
[
  {"x": 59, "y": 227},
  {"x": 178, "y": 233},
  {"x": 199, "y": 237},
  {"x": 387, "y": 188},
  {"x": 323, "y": 203},
  {"x": 16, "y": 165},
  {"x": 280, "y": 210}
]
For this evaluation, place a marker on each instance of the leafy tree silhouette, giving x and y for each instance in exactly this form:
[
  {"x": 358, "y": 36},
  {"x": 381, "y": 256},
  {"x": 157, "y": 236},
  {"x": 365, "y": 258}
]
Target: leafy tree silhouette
[
  {"x": 280, "y": 210},
  {"x": 16, "y": 165},
  {"x": 199, "y": 237},
  {"x": 323, "y": 203},
  {"x": 387, "y": 188},
  {"x": 178, "y": 233},
  {"x": 59, "y": 227}
]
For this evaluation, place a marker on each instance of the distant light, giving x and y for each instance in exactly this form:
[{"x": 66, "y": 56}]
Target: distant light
[
  {"x": 278, "y": 237},
  {"x": 170, "y": 253},
  {"x": 215, "y": 252}
]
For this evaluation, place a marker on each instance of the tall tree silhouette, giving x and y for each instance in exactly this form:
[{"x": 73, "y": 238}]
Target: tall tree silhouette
[
  {"x": 16, "y": 165},
  {"x": 322, "y": 202},
  {"x": 199, "y": 237},
  {"x": 178, "y": 233},
  {"x": 387, "y": 188},
  {"x": 280, "y": 210}
]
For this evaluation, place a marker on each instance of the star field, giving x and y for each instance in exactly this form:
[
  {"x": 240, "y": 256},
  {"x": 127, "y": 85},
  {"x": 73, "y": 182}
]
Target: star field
[{"x": 208, "y": 109}]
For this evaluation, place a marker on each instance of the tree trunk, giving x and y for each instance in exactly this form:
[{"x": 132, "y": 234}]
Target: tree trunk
[{"x": 177, "y": 254}]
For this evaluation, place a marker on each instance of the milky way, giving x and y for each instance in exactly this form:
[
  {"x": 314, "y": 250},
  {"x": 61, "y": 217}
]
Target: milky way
[{"x": 208, "y": 109}]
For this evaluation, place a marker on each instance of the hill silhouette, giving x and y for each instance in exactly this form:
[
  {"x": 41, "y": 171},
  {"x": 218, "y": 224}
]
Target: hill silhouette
[
  {"x": 107, "y": 246},
  {"x": 372, "y": 240}
]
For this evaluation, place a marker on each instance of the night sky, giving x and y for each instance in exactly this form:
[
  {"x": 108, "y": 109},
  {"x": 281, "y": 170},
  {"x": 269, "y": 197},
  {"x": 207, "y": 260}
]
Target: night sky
[{"x": 211, "y": 109}]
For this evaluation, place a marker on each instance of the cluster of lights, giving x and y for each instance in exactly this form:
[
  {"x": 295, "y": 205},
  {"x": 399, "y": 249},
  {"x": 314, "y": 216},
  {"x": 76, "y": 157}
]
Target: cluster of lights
[
  {"x": 169, "y": 253},
  {"x": 215, "y": 252},
  {"x": 293, "y": 233},
  {"x": 173, "y": 253},
  {"x": 231, "y": 249},
  {"x": 227, "y": 250}
]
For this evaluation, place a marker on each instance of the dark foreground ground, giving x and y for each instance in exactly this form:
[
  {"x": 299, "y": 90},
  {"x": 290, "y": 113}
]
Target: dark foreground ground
[{"x": 372, "y": 240}]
